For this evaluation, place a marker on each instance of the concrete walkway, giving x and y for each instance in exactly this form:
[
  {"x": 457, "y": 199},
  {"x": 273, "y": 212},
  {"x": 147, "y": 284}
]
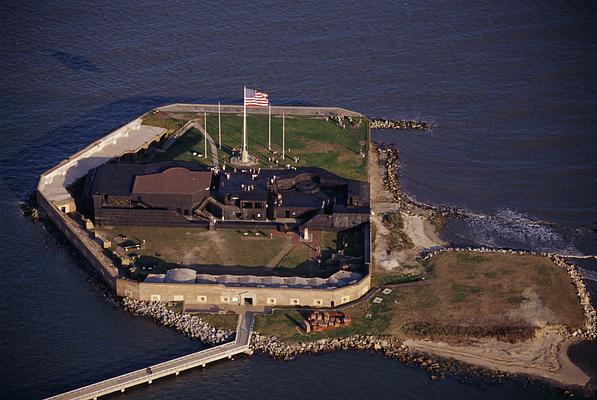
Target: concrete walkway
[
  {"x": 212, "y": 144},
  {"x": 276, "y": 110},
  {"x": 244, "y": 331}
]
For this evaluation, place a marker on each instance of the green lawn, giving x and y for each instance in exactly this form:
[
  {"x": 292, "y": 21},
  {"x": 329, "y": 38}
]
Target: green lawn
[
  {"x": 166, "y": 248},
  {"x": 283, "y": 324},
  {"x": 219, "y": 321},
  {"x": 315, "y": 141},
  {"x": 465, "y": 295},
  {"x": 182, "y": 149}
]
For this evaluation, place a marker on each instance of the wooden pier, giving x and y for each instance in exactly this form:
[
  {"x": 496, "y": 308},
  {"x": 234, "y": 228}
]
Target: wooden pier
[{"x": 120, "y": 383}]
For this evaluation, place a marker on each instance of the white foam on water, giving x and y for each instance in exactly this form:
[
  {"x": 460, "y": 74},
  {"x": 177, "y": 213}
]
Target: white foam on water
[
  {"x": 588, "y": 274},
  {"x": 510, "y": 228}
]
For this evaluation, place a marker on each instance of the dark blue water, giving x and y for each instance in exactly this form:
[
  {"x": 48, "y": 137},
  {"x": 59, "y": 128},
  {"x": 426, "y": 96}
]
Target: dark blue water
[{"x": 510, "y": 87}]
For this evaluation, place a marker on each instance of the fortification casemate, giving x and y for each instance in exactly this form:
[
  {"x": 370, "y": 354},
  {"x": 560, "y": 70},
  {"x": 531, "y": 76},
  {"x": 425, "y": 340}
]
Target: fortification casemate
[{"x": 163, "y": 212}]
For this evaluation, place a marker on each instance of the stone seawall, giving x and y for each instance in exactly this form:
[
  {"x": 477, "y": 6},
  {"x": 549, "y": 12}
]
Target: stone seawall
[
  {"x": 189, "y": 325},
  {"x": 80, "y": 240}
]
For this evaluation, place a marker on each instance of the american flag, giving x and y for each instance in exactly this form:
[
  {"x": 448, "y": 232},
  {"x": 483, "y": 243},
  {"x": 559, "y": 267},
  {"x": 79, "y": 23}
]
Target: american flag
[{"x": 256, "y": 98}]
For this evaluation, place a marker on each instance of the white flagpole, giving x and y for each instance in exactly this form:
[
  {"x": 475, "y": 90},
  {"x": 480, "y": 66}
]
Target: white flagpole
[
  {"x": 219, "y": 126},
  {"x": 205, "y": 135},
  {"x": 283, "y": 136},
  {"x": 244, "y": 154},
  {"x": 269, "y": 135}
]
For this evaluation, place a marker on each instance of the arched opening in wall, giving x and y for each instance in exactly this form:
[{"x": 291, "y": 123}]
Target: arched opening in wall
[{"x": 332, "y": 304}]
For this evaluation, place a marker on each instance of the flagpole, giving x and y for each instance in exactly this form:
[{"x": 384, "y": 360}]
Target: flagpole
[
  {"x": 269, "y": 135},
  {"x": 283, "y": 136},
  {"x": 244, "y": 155},
  {"x": 219, "y": 126},
  {"x": 205, "y": 134}
]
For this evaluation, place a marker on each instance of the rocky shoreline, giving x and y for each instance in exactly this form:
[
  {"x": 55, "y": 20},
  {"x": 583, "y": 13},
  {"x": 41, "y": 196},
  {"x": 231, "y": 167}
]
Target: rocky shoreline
[
  {"x": 29, "y": 208},
  {"x": 391, "y": 180},
  {"x": 189, "y": 325},
  {"x": 436, "y": 367},
  {"x": 380, "y": 123}
]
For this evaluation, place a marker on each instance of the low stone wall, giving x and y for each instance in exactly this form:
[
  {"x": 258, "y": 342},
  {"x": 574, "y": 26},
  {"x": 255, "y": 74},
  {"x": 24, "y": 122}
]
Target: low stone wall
[
  {"x": 189, "y": 325},
  {"x": 590, "y": 329}
]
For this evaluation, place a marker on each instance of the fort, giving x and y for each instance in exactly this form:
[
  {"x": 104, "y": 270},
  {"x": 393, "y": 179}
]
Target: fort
[
  {"x": 147, "y": 174},
  {"x": 168, "y": 216}
]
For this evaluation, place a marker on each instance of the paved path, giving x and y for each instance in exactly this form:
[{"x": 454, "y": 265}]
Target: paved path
[
  {"x": 288, "y": 246},
  {"x": 212, "y": 144},
  {"x": 194, "y": 123},
  {"x": 244, "y": 330},
  {"x": 170, "y": 141}
]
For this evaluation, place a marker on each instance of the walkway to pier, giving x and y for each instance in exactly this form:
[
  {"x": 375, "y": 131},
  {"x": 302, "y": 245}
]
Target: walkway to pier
[{"x": 244, "y": 330}]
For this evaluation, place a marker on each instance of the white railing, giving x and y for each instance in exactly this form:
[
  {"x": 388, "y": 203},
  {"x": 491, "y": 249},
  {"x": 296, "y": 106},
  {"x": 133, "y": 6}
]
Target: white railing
[{"x": 121, "y": 382}]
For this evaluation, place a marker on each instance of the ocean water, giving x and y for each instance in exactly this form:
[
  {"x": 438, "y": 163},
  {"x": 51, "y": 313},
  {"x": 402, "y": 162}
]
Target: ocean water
[{"x": 510, "y": 87}]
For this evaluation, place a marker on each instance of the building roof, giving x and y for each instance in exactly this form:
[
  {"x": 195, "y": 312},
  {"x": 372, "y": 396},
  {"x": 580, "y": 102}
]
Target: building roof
[
  {"x": 181, "y": 275},
  {"x": 302, "y": 187},
  {"x": 187, "y": 275},
  {"x": 119, "y": 179},
  {"x": 175, "y": 180},
  {"x": 244, "y": 184}
]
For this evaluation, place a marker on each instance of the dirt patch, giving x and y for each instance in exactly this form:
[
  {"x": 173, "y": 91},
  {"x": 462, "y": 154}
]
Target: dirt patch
[{"x": 491, "y": 290}]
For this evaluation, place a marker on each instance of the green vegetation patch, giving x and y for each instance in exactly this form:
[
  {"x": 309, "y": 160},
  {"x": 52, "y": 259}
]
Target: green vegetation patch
[
  {"x": 315, "y": 141},
  {"x": 451, "y": 304},
  {"x": 219, "y": 251},
  {"x": 469, "y": 258},
  {"x": 398, "y": 240},
  {"x": 166, "y": 121},
  {"x": 184, "y": 147},
  {"x": 460, "y": 292},
  {"x": 284, "y": 323},
  {"x": 226, "y": 321},
  {"x": 511, "y": 333},
  {"x": 394, "y": 279}
]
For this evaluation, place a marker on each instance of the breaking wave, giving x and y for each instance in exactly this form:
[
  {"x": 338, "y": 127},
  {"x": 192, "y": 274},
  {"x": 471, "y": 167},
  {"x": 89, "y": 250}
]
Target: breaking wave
[{"x": 512, "y": 229}]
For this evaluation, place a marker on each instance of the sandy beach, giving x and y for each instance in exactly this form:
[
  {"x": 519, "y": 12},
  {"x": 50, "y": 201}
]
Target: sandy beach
[{"x": 545, "y": 356}]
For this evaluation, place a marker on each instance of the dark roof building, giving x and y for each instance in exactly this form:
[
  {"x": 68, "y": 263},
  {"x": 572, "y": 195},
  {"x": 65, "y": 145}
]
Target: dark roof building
[
  {"x": 125, "y": 193},
  {"x": 292, "y": 196},
  {"x": 172, "y": 194}
]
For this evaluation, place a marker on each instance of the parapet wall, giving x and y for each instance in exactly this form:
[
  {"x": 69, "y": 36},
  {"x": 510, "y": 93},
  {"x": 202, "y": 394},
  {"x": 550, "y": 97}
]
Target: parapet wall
[
  {"x": 131, "y": 137},
  {"x": 290, "y": 110},
  {"x": 79, "y": 238},
  {"x": 219, "y": 294}
]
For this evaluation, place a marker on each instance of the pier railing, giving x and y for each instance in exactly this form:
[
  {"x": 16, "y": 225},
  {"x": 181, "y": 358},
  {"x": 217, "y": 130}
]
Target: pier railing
[{"x": 171, "y": 367}]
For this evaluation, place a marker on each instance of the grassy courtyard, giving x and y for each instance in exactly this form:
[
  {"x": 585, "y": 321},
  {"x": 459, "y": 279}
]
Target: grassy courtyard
[
  {"x": 217, "y": 251},
  {"x": 463, "y": 295},
  {"x": 314, "y": 141}
]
